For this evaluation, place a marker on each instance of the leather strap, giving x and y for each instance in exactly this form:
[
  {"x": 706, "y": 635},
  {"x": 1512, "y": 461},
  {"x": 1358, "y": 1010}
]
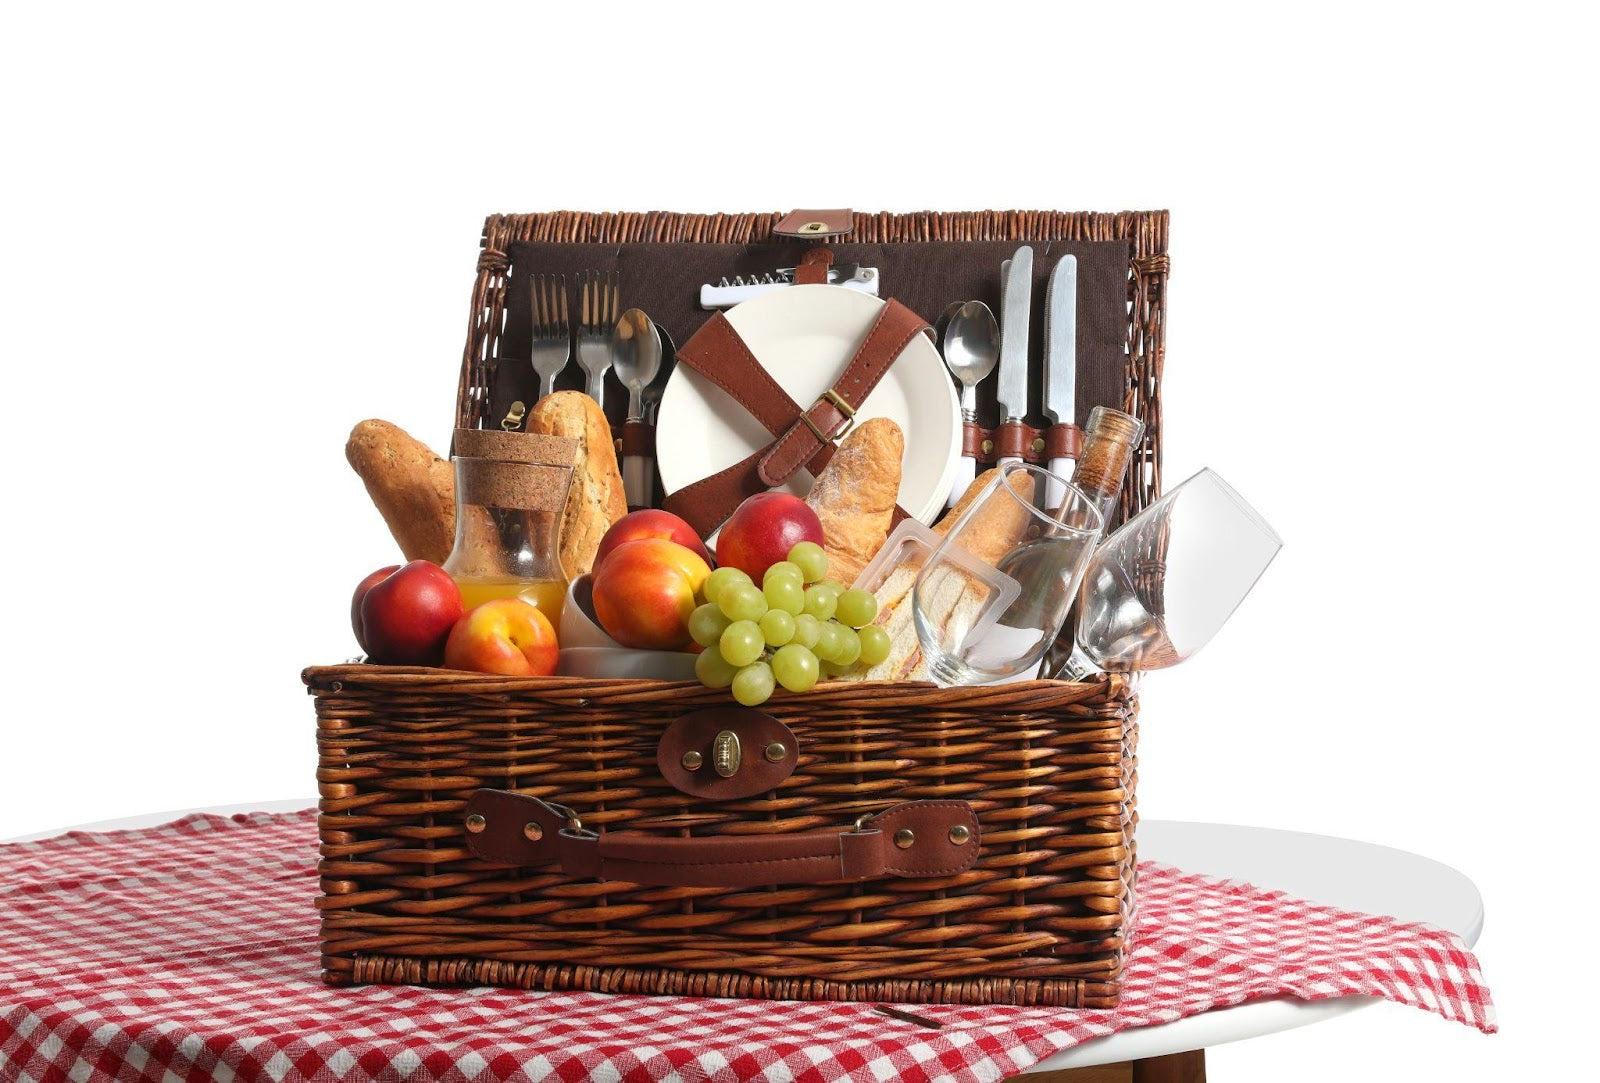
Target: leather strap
[
  {"x": 1063, "y": 441},
  {"x": 517, "y": 829},
  {"x": 813, "y": 268},
  {"x": 638, "y": 438},
  {"x": 893, "y": 331},
  {"x": 1020, "y": 440},
  {"x": 718, "y": 353}
]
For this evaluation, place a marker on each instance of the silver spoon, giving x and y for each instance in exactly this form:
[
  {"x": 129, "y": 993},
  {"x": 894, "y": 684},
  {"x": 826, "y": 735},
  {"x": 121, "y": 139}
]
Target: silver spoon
[
  {"x": 971, "y": 349},
  {"x": 635, "y": 357}
]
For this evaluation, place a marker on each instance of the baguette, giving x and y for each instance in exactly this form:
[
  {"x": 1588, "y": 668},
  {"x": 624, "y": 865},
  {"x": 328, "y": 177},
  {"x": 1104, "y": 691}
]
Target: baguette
[
  {"x": 854, "y": 496},
  {"x": 414, "y": 489},
  {"x": 596, "y": 499}
]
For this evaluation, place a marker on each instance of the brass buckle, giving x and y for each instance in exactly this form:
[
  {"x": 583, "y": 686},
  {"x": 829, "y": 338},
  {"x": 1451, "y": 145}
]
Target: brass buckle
[{"x": 839, "y": 404}]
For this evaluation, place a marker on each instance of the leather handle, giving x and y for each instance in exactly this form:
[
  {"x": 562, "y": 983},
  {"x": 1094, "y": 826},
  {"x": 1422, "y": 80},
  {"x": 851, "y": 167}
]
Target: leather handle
[{"x": 910, "y": 840}]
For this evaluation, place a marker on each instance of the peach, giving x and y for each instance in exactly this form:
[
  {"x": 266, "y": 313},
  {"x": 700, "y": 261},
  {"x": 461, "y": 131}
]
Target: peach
[
  {"x": 645, "y": 591},
  {"x": 507, "y": 636},
  {"x": 650, "y": 523},
  {"x": 763, "y": 529},
  {"x": 404, "y": 617}
]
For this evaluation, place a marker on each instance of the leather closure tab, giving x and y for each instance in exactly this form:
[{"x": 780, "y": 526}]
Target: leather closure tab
[
  {"x": 815, "y": 225},
  {"x": 693, "y": 753}
]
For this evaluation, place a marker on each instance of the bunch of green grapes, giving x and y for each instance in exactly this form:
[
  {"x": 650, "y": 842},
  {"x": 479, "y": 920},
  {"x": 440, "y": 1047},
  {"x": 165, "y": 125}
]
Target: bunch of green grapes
[{"x": 795, "y": 628}]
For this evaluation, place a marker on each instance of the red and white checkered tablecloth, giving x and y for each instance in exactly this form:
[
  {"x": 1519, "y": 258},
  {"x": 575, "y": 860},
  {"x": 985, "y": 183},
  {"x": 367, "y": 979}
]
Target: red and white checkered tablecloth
[{"x": 191, "y": 948}]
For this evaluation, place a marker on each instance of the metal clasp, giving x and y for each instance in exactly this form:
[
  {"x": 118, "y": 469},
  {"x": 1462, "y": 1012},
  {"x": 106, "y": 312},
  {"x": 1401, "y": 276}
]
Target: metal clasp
[
  {"x": 726, "y": 754},
  {"x": 574, "y": 825},
  {"x": 839, "y": 404}
]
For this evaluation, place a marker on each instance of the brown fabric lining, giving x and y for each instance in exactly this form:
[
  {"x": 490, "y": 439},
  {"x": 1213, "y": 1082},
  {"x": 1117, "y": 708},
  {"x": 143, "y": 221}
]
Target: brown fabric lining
[{"x": 665, "y": 280}]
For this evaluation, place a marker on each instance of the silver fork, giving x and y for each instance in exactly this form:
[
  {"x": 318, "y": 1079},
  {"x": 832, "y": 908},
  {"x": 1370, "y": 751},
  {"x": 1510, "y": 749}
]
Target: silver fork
[
  {"x": 552, "y": 333},
  {"x": 599, "y": 305}
]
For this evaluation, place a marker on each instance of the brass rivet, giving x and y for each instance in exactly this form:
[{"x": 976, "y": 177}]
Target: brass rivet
[
  {"x": 988, "y": 447},
  {"x": 476, "y": 823},
  {"x": 776, "y": 752},
  {"x": 1038, "y": 445},
  {"x": 904, "y": 837},
  {"x": 814, "y": 227},
  {"x": 693, "y": 760},
  {"x": 533, "y": 831},
  {"x": 960, "y": 835}
]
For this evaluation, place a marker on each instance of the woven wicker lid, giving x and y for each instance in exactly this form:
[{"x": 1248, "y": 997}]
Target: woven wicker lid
[{"x": 516, "y": 447}]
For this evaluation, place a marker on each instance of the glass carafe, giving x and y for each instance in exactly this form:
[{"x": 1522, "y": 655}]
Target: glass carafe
[{"x": 511, "y": 492}]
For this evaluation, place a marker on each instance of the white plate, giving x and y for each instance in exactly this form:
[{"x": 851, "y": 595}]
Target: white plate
[{"x": 804, "y": 336}]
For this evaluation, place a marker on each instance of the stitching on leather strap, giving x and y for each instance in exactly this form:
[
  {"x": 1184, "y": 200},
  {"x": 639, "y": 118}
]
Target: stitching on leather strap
[
  {"x": 897, "y": 325},
  {"x": 749, "y": 368}
]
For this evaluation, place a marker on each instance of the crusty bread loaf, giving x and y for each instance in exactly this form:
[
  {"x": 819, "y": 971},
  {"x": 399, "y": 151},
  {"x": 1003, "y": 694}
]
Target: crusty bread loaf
[
  {"x": 596, "y": 500},
  {"x": 414, "y": 489},
  {"x": 854, "y": 496}
]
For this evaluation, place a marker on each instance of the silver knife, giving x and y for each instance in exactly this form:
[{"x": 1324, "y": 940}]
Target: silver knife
[
  {"x": 1061, "y": 361},
  {"x": 1016, "y": 295}
]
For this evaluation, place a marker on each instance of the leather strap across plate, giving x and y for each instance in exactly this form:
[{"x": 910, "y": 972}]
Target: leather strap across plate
[
  {"x": 521, "y": 830},
  {"x": 718, "y": 353}
]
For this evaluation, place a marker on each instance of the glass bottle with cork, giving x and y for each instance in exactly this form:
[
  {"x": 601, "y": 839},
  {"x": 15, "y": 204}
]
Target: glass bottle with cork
[
  {"x": 1108, "y": 445},
  {"x": 511, "y": 492}
]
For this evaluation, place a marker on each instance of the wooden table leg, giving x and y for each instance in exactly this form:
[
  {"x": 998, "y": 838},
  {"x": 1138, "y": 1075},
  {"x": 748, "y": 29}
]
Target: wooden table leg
[{"x": 1187, "y": 1067}]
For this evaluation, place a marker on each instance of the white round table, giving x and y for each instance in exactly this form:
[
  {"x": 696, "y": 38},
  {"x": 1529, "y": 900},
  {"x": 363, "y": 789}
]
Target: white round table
[{"x": 1334, "y": 871}]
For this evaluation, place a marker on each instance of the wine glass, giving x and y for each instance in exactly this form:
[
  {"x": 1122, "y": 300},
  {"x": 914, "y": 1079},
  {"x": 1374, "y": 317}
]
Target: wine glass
[
  {"x": 992, "y": 597},
  {"x": 1159, "y": 588}
]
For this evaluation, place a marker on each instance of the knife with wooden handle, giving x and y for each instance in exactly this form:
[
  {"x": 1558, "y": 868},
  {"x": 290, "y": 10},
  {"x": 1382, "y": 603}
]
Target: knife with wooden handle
[
  {"x": 1011, "y": 385},
  {"x": 1061, "y": 362}
]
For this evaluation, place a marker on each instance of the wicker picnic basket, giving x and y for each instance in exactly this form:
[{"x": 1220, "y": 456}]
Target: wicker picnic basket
[{"x": 1037, "y": 910}]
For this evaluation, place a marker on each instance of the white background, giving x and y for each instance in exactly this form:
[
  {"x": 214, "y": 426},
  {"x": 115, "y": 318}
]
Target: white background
[{"x": 230, "y": 235}]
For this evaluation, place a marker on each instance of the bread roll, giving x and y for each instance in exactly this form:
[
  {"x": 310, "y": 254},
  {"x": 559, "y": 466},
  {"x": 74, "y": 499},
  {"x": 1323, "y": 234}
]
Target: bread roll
[
  {"x": 854, "y": 496},
  {"x": 596, "y": 500},
  {"x": 414, "y": 489}
]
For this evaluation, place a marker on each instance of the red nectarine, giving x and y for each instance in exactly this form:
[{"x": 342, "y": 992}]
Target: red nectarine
[
  {"x": 405, "y": 616},
  {"x": 763, "y": 529},
  {"x": 645, "y": 591},
  {"x": 650, "y": 523}
]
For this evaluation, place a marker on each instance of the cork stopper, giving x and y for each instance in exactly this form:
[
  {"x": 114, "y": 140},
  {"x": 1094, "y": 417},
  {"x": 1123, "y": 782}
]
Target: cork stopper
[
  {"x": 1108, "y": 444},
  {"x": 516, "y": 447},
  {"x": 487, "y": 483}
]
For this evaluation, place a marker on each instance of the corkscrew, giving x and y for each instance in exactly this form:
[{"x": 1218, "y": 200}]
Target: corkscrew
[{"x": 732, "y": 291}]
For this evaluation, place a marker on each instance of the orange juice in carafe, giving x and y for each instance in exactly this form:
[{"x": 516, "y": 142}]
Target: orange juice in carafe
[
  {"x": 546, "y": 595},
  {"x": 511, "y": 492}
]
